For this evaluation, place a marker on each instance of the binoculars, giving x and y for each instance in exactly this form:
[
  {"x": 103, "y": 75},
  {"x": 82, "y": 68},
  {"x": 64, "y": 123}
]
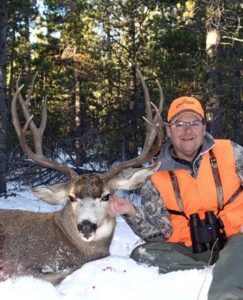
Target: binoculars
[{"x": 207, "y": 233}]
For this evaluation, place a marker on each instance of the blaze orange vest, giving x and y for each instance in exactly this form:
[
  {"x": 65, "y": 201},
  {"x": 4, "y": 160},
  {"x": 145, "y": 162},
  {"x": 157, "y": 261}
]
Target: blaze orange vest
[{"x": 199, "y": 194}]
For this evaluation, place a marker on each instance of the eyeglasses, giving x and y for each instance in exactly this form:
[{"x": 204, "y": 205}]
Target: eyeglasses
[{"x": 181, "y": 125}]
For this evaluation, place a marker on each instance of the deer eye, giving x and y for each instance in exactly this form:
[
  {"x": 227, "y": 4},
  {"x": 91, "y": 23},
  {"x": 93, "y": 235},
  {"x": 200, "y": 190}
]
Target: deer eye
[
  {"x": 72, "y": 198},
  {"x": 106, "y": 198}
]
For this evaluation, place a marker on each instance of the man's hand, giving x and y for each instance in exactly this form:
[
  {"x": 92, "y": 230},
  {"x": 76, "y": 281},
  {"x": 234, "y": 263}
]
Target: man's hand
[{"x": 119, "y": 206}]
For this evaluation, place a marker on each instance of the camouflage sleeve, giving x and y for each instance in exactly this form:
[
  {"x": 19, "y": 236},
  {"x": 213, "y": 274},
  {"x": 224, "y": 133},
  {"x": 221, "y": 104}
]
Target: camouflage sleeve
[
  {"x": 238, "y": 152},
  {"x": 152, "y": 221}
]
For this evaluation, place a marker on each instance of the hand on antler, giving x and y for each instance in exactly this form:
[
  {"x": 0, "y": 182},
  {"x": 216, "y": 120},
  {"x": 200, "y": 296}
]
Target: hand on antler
[{"x": 119, "y": 206}]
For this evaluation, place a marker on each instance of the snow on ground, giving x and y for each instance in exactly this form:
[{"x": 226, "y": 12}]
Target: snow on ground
[{"x": 114, "y": 277}]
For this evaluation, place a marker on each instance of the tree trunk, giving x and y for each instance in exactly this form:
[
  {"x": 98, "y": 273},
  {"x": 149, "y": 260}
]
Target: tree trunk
[
  {"x": 213, "y": 36},
  {"x": 3, "y": 97},
  {"x": 79, "y": 120},
  {"x": 133, "y": 101}
]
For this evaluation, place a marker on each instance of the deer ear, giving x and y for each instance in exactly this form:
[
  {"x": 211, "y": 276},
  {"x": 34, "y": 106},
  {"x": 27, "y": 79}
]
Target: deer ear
[
  {"x": 132, "y": 178},
  {"x": 54, "y": 194}
]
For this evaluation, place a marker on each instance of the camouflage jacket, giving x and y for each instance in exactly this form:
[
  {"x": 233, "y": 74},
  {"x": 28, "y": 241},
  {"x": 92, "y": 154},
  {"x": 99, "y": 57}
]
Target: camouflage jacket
[{"x": 152, "y": 221}]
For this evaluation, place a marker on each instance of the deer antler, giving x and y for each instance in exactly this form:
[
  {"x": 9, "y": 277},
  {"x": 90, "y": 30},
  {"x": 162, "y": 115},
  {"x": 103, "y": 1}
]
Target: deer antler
[
  {"x": 152, "y": 144},
  {"x": 154, "y": 133},
  {"x": 37, "y": 133}
]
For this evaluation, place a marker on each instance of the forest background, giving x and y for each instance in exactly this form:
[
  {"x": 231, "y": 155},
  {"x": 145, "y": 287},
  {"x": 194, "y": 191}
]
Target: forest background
[{"x": 86, "y": 54}]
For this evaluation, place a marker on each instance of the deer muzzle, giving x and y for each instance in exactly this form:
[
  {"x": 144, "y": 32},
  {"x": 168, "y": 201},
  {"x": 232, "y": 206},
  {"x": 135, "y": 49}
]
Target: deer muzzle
[{"x": 87, "y": 229}]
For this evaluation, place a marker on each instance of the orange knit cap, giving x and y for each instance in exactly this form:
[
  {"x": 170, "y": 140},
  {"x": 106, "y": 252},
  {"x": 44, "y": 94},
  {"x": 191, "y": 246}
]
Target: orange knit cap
[{"x": 185, "y": 104}]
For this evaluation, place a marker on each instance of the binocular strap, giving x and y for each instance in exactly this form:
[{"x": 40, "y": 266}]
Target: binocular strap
[{"x": 218, "y": 184}]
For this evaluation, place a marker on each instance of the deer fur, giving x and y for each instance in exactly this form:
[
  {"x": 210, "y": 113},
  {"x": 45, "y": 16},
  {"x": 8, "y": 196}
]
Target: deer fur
[{"x": 50, "y": 246}]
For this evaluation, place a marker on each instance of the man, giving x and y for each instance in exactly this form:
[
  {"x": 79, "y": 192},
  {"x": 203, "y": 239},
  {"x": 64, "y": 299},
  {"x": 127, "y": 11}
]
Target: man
[{"x": 191, "y": 212}]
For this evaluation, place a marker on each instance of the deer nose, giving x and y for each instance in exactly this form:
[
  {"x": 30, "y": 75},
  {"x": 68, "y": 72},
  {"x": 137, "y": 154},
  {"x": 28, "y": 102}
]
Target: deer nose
[{"x": 87, "y": 227}]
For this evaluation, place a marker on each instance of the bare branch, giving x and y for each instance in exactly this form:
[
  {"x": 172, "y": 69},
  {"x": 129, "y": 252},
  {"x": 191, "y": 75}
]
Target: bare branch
[{"x": 232, "y": 38}]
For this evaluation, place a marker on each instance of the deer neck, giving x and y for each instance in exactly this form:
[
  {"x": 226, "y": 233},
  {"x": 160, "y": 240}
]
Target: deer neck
[{"x": 65, "y": 220}]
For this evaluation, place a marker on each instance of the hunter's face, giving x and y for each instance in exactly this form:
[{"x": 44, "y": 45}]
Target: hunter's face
[{"x": 186, "y": 133}]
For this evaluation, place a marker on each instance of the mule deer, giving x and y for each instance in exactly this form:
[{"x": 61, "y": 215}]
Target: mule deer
[{"x": 52, "y": 245}]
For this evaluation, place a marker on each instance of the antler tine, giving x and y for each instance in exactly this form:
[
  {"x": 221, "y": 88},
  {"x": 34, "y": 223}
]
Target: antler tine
[
  {"x": 148, "y": 109},
  {"x": 14, "y": 112},
  {"x": 157, "y": 118},
  {"x": 157, "y": 125},
  {"x": 154, "y": 129},
  {"x": 43, "y": 117},
  {"x": 150, "y": 132},
  {"x": 37, "y": 134},
  {"x": 162, "y": 99}
]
